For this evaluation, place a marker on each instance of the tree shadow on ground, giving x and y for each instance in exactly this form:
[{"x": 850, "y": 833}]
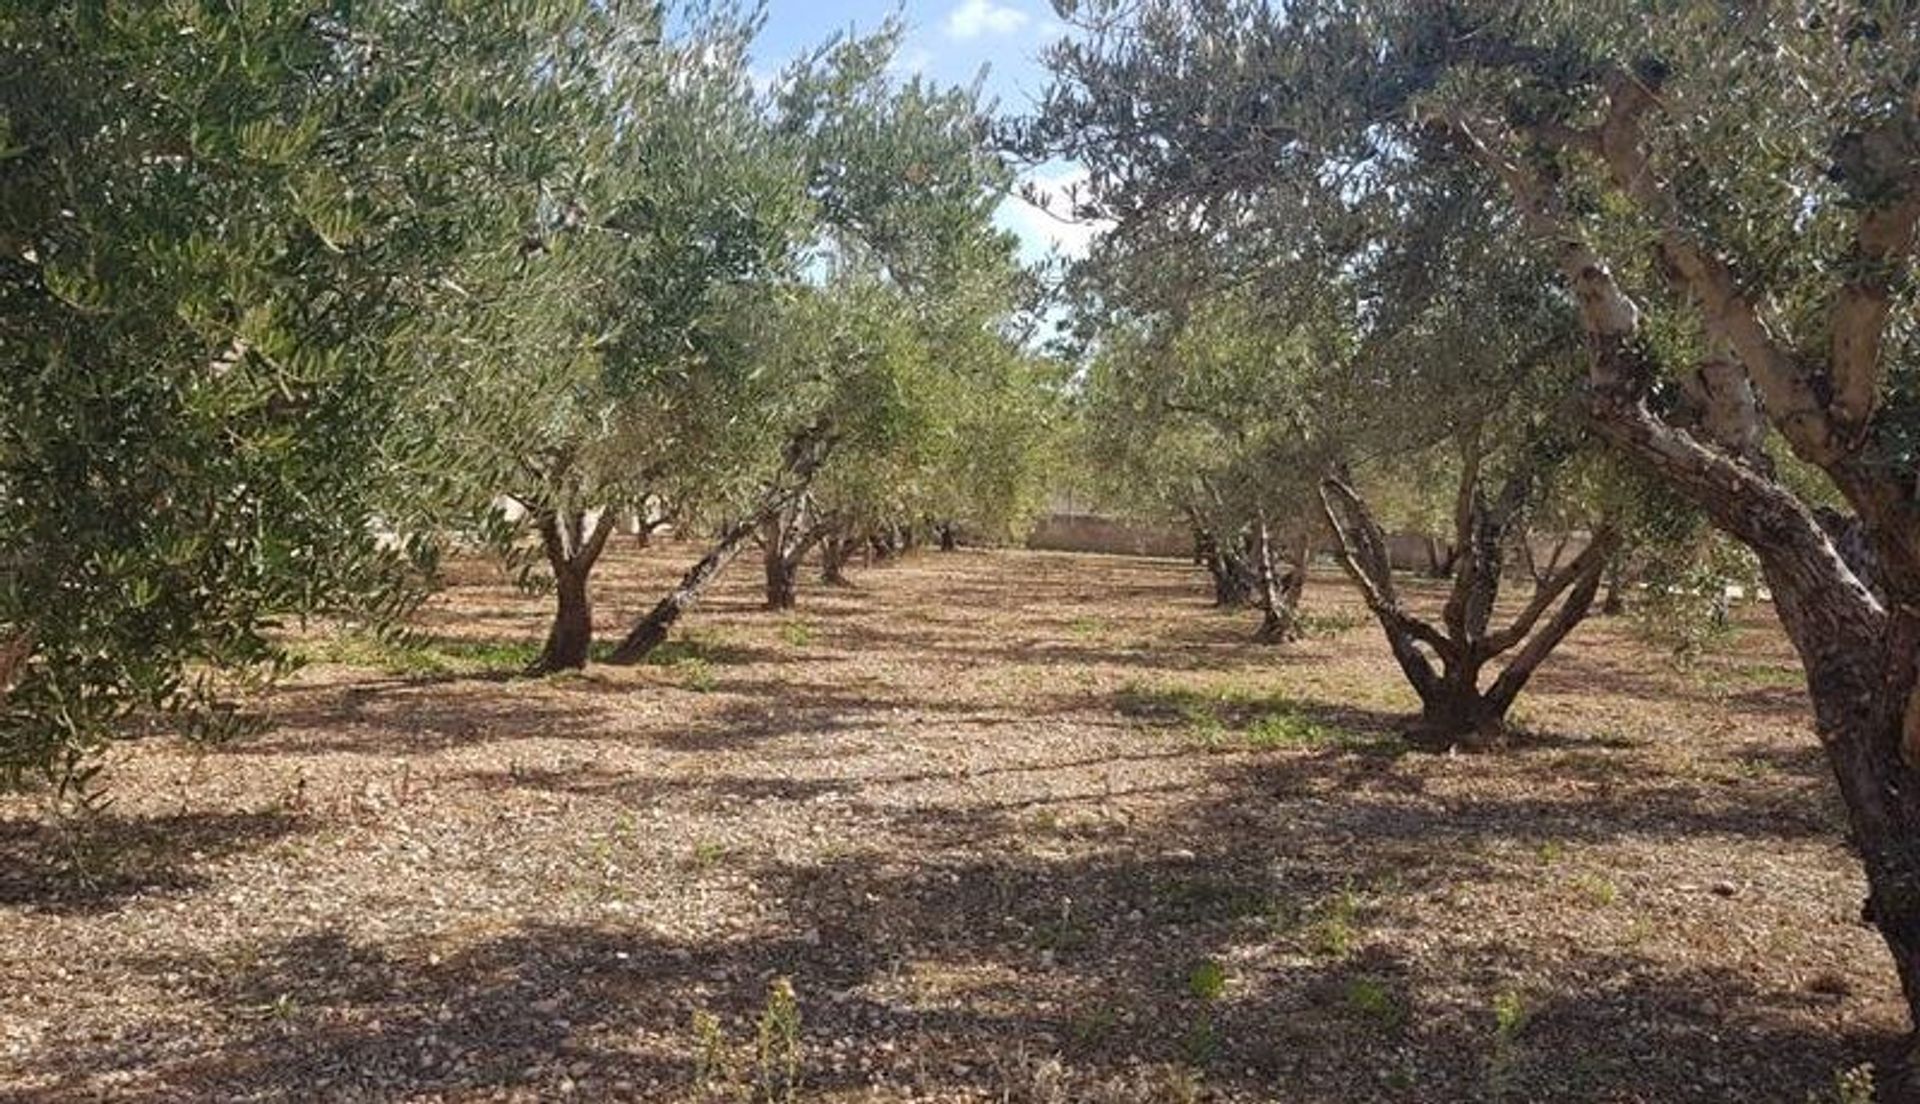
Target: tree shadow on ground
[
  {"x": 98, "y": 862},
  {"x": 1034, "y": 945},
  {"x": 411, "y": 717},
  {"x": 993, "y": 977},
  {"x": 1584, "y": 797}
]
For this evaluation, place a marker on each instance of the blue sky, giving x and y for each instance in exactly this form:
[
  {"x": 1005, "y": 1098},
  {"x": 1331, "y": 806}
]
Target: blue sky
[{"x": 950, "y": 41}]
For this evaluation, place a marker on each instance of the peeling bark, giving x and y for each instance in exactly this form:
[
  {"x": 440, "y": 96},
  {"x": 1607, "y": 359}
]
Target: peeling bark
[{"x": 1846, "y": 588}]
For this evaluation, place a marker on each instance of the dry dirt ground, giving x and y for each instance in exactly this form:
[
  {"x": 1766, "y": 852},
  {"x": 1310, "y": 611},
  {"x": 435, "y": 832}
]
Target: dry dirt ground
[{"x": 1014, "y": 826}]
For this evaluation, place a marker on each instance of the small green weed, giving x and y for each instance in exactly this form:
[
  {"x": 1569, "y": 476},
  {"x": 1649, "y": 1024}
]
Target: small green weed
[
  {"x": 1278, "y": 730},
  {"x": 1851, "y": 1086},
  {"x": 412, "y": 655},
  {"x": 766, "y": 1071},
  {"x": 1595, "y": 890},
  {"x": 1510, "y": 1016},
  {"x": 1201, "y": 1043},
  {"x": 1374, "y": 1000},
  {"x": 708, "y": 853},
  {"x": 1088, "y": 628},
  {"x": 1331, "y": 934},
  {"x": 696, "y": 674},
  {"x": 1227, "y": 718},
  {"x": 777, "y": 1044},
  {"x": 797, "y": 633},
  {"x": 1321, "y": 625},
  {"x": 1207, "y": 981}
]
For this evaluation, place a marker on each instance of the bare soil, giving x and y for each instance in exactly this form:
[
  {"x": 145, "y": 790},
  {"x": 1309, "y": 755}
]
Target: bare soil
[{"x": 1015, "y": 826}]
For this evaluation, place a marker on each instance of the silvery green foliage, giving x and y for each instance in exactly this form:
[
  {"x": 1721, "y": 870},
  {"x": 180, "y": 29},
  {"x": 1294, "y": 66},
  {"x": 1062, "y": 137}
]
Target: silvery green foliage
[{"x": 222, "y": 230}]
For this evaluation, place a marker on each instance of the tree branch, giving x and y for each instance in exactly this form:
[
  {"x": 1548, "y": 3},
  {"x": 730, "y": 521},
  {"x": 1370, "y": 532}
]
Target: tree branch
[
  {"x": 1883, "y": 243},
  {"x": 1592, "y": 558},
  {"x": 1367, "y": 563}
]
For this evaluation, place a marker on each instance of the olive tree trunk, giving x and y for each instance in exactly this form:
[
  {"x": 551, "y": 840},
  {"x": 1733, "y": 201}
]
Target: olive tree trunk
[
  {"x": 1279, "y": 591},
  {"x": 1613, "y": 603},
  {"x": 651, "y": 631},
  {"x": 786, "y": 538},
  {"x": 572, "y": 549},
  {"x": 835, "y": 551},
  {"x": 1456, "y": 710},
  {"x": 1850, "y": 606},
  {"x": 804, "y": 454},
  {"x": 1233, "y": 580},
  {"x": 783, "y": 579}
]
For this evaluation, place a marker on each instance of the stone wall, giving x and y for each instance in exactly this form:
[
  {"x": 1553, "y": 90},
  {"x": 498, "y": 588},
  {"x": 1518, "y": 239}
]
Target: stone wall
[{"x": 1065, "y": 532}]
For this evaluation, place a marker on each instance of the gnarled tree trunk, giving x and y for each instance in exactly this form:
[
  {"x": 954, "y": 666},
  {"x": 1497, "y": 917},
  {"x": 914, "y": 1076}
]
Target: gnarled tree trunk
[
  {"x": 785, "y": 538},
  {"x": 835, "y": 551},
  {"x": 1233, "y": 579},
  {"x": 783, "y": 579},
  {"x": 1850, "y": 607},
  {"x": 1456, "y": 711}
]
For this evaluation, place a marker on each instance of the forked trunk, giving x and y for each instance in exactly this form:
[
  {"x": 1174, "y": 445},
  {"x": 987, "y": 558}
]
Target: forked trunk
[
  {"x": 785, "y": 540},
  {"x": 1454, "y": 713},
  {"x": 572, "y": 550},
  {"x": 1279, "y": 591},
  {"x": 1232, "y": 581},
  {"x": 1277, "y": 625},
  {"x": 949, "y": 537},
  {"x": 1444, "y": 661}
]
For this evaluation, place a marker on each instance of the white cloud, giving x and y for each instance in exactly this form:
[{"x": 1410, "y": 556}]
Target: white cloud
[
  {"x": 1050, "y": 225},
  {"x": 974, "y": 18}
]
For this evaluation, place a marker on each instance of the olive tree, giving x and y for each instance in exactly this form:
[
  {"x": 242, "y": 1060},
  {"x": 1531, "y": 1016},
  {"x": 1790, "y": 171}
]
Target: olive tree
[
  {"x": 901, "y": 182},
  {"x": 1726, "y": 197},
  {"x": 607, "y": 377},
  {"x": 221, "y": 230}
]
